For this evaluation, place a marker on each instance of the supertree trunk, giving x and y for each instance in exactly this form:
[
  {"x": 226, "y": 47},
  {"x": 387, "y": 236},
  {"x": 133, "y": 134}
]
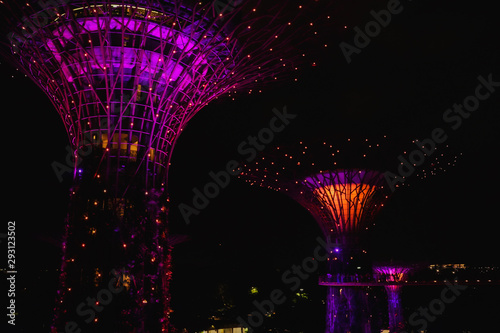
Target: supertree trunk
[
  {"x": 347, "y": 307},
  {"x": 115, "y": 270},
  {"x": 396, "y": 318},
  {"x": 333, "y": 303},
  {"x": 355, "y": 310},
  {"x": 393, "y": 274}
]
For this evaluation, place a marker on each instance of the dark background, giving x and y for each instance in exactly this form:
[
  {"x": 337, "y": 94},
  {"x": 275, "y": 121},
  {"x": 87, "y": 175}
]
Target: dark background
[{"x": 427, "y": 59}]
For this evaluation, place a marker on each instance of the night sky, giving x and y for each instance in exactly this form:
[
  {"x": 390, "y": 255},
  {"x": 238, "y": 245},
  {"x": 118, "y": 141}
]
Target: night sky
[{"x": 399, "y": 85}]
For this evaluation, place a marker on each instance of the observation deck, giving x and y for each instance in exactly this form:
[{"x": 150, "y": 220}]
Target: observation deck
[{"x": 351, "y": 281}]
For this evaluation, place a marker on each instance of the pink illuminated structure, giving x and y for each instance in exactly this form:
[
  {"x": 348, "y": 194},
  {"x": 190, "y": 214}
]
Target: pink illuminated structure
[
  {"x": 126, "y": 77},
  {"x": 392, "y": 273}
]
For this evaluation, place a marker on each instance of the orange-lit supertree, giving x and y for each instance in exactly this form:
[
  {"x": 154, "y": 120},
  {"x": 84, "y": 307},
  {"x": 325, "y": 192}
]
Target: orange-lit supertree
[
  {"x": 126, "y": 77},
  {"x": 343, "y": 185},
  {"x": 348, "y": 200},
  {"x": 343, "y": 201}
]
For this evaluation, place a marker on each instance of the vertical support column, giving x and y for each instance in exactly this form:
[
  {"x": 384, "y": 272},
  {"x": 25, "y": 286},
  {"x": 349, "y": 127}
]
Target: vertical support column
[
  {"x": 332, "y": 307},
  {"x": 396, "y": 318},
  {"x": 116, "y": 258},
  {"x": 393, "y": 273}
]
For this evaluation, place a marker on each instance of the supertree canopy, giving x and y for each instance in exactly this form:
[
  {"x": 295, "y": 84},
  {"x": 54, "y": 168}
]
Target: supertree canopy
[
  {"x": 331, "y": 181},
  {"x": 130, "y": 75},
  {"x": 393, "y": 274},
  {"x": 126, "y": 77},
  {"x": 348, "y": 198}
]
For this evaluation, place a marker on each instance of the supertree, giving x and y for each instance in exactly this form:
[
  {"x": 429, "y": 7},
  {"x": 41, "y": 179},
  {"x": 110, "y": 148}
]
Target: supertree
[
  {"x": 343, "y": 201},
  {"x": 126, "y": 77},
  {"x": 348, "y": 200},
  {"x": 393, "y": 274}
]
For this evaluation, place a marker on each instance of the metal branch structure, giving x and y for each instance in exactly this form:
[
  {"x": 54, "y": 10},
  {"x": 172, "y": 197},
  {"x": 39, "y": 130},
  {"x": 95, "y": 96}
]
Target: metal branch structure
[
  {"x": 126, "y": 77},
  {"x": 343, "y": 202},
  {"x": 348, "y": 199},
  {"x": 130, "y": 75},
  {"x": 393, "y": 274}
]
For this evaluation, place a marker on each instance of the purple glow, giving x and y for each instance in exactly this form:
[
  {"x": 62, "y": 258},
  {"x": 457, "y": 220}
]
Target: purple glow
[
  {"x": 345, "y": 310},
  {"x": 353, "y": 176},
  {"x": 395, "y": 308},
  {"x": 333, "y": 305},
  {"x": 392, "y": 273}
]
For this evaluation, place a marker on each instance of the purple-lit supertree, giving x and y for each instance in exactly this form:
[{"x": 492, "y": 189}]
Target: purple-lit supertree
[
  {"x": 393, "y": 274},
  {"x": 126, "y": 77},
  {"x": 343, "y": 202}
]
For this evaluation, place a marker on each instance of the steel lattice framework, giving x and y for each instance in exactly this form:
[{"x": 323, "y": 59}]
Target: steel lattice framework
[
  {"x": 126, "y": 77},
  {"x": 130, "y": 75}
]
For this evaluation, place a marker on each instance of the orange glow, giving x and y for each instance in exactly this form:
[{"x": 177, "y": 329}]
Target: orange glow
[{"x": 345, "y": 203}]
